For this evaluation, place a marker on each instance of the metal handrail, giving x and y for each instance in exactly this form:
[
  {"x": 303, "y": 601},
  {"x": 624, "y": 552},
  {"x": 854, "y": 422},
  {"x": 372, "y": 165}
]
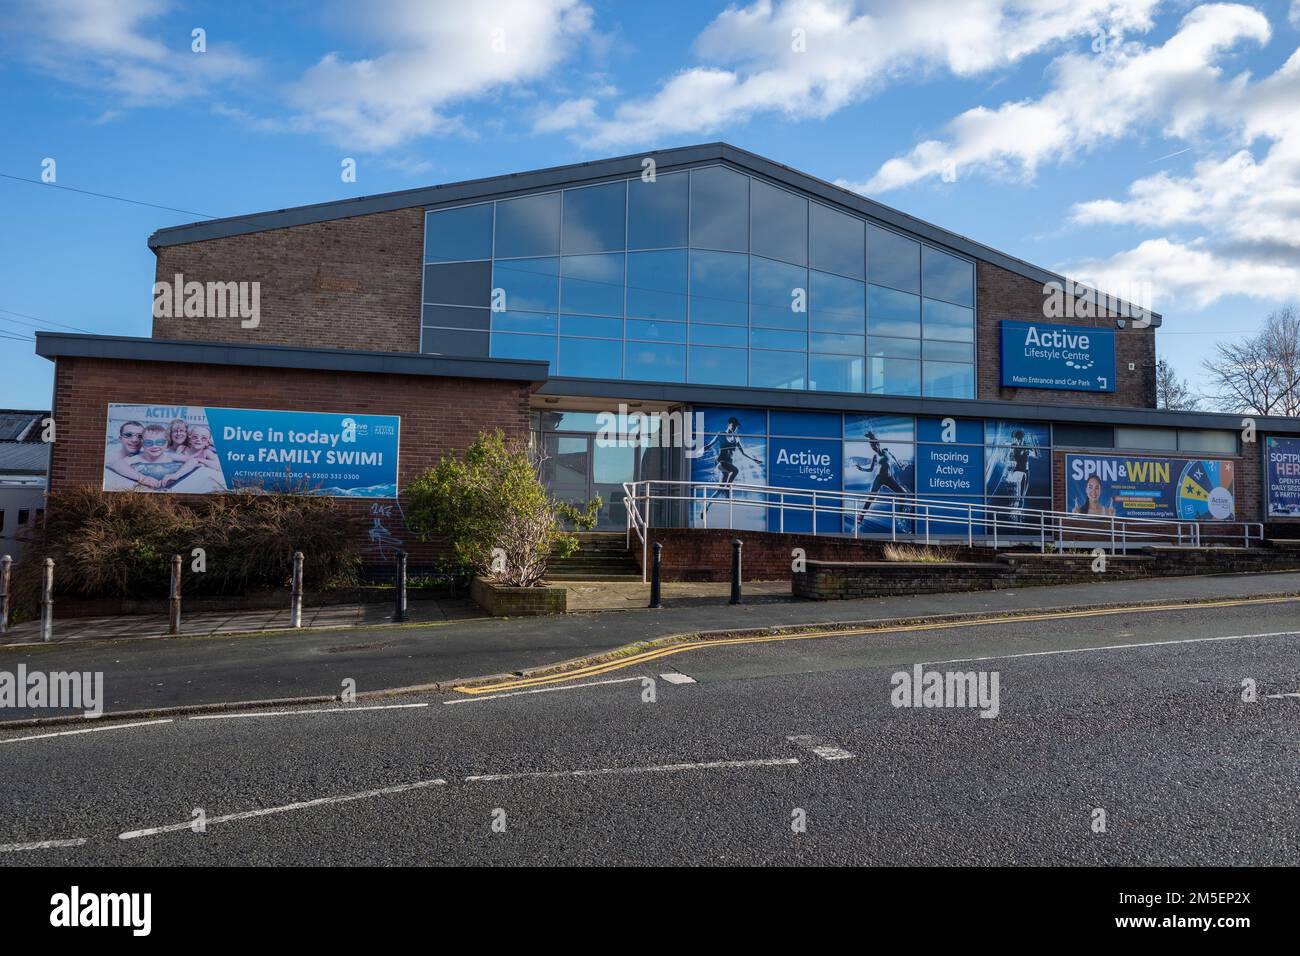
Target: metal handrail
[{"x": 994, "y": 521}]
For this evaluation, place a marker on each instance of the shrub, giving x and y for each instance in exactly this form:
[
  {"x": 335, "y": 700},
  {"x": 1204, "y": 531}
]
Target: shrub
[
  {"x": 493, "y": 498},
  {"x": 909, "y": 552},
  {"x": 116, "y": 544}
]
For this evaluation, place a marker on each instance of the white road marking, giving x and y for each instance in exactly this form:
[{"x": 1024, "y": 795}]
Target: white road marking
[
  {"x": 820, "y": 748},
  {"x": 1279, "y": 696},
  {"x": 292, "y": 713},
  {"x": 86, "y": 730},
  {"x": 540, "y": 690},
  {"x": 268, "y": 811},
  {"x": 676, "y": 678},
  {"x": 1109, "y": 647},
  {"x": 663, "y": 768},
  {"x": 41, "y": 845}
]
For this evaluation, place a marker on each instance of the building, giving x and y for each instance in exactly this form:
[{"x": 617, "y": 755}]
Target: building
[
  {"x": 826, "y": 342},
  {"x": 24, "y": 466}
]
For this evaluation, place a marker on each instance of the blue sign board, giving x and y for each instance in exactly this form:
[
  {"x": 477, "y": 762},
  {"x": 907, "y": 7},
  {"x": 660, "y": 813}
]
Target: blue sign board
[
  {"x": 197, "y": 449},
  {"x": 805, "y": 463},
  {"x": 1078, "y": 358},
  {"x": 1282, "y": 476},
  {"x": 949, "y": 470}
]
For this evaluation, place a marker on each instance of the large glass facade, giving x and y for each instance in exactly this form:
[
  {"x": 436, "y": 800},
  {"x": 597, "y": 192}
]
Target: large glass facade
[{"x": 707, "y": 276}]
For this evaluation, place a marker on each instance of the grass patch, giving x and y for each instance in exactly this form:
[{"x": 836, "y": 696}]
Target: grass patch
[{"x": 912, "y": 552}]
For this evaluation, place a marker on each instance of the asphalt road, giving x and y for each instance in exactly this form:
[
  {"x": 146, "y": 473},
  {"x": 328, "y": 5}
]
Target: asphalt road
[
  {"x": 158, "y": 673},
  {"x": 1094, "y": 713}
]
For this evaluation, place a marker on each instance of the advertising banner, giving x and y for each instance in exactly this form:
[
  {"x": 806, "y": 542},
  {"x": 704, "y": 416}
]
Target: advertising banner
[
  {"x": 804, "y": 463},
  {"x": 882, "y": 469},
  {"x": 197, "y": 449},
  {"x": 730, "y": 456},
  {"x": 1018, "y": 467},
  {"x": 1080, "y": 358},
  {"x": 1282, "y": 477},
  {"x": 1131, "y": 487},
  {"x": 949, "y": 470}
]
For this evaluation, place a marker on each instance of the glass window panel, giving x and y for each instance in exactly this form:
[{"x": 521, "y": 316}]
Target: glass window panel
[
  {"x": 780, "y": 224},
  {"x": 777, "y": 369},
  {"x": 592, "y": 285},
  {"x": 538, "y": 323},
  {"x": 657, "y": 212},
  {"x": 893, "y": 348},
  {"x": 454, "y": 342},
  {"x": 714, "y": 366},
  {"x": 600, "y": 328},
  {"x": 835, "y": 373},
  {"x": 949, "y": 351},
  {"x": 593, "y": 219},
  {"x": 948, "y": 380},
  {"x": 451, "y": 317},
  {"x": 719, "y": 335},
  {"x": 656, "y": 284},
  {"x": 772, "y": 294},
  {"x": 893, "y": 376},
  {"x": 947, "y": 277},
  {"x": 836, "y": 241},
  {"x": 719, "y": 209},
  {"x": 557, "y": 421},
  {"x": 590, "y": 358},
  {"x": 459, "y": 283},
  {"x": 836, "y": 304},
  {"x": 528, "y": 226},
  {"x": 510, "y": 345},
  {"x": 773, "y": 339},
  {"x": 452, "y": 235},
  {"x": 647, "y": 362},
  {"x": 719, "y": 288},
  {"x": 1205, "y": 439},
  {"x": 1146, "y": 438},
  {"x": 892, "y": 259},
  {"x": 951, "y": 322},
  {"x": 656, "y": 331},
  {"x": 831, "y": 342},
  {"x": 530, "y": 285},
  {"x": 893, "y": 313}
]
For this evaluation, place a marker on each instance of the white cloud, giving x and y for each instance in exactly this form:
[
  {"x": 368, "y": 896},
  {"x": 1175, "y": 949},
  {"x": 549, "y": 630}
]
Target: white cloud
[
  {"x": 749, "y": 64},
  {"x": 1294, "y": 15},
  {"x": 437, "y": 54},
  {"x": 111, "y": 46},
  {"x": 1095, "y": 99}
]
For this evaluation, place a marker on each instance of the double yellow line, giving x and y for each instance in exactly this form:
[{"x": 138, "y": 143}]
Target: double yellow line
[{"x": 594, "y": 670}]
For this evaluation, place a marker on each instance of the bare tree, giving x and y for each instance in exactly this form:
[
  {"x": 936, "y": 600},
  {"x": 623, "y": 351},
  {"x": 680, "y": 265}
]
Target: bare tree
[
  {"x": 1260, "y": 374},
  {"x": 1173, "y": 392}
]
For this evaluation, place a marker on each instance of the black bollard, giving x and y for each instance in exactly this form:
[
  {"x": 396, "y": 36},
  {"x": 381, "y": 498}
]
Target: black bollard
[
  {"x": 736, "y": 545},
  {"x": 654, "y": 576},
  {"x": 399, "y": 610}
]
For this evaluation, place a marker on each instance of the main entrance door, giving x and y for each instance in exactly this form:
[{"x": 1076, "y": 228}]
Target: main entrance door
[{"x": 577, "y": 468}]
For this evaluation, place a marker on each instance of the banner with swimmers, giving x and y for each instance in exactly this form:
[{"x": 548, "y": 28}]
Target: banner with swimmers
[{"x": 196, "y": 449}]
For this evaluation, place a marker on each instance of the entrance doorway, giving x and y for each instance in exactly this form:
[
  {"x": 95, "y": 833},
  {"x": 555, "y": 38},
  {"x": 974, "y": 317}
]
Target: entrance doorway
[{"x": 577, "y": 468}]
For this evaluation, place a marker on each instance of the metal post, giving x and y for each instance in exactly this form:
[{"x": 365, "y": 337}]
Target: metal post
[
  {"x": 47, "y": 601},
  {"x": 654, "y": 577},
  {"x": 295, "y": 595},
  {"x": 5, "y": 564},
  {"x": 814, "y": 512},
  {"x": 736, "y": 545},
  {"x": 174, "y": 618},
  {"x": 399, "y": 611}
]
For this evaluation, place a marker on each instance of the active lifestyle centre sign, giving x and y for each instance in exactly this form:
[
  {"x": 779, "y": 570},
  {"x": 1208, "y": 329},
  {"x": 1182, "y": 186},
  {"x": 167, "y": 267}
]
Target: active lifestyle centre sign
[
  {"x": 1076, "y": 357},
  {"x": 197, "y": 449}
]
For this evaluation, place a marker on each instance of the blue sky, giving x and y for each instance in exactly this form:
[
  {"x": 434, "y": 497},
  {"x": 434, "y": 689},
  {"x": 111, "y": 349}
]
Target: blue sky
[{"x": 1132, "y": 143}]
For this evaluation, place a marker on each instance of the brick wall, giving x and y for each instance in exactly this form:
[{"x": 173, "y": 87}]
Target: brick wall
[
  {"x": 438, "y": 415},
  {"x": 1005, "y": 295},
  {"x": 349, "y": 284}
]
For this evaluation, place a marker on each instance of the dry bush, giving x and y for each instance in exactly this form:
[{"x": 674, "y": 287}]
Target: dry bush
[{"x": 912, "y": 552}]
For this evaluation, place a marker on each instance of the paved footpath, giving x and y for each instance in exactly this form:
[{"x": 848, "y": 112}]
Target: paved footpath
[{"x": 191, "y": 671}]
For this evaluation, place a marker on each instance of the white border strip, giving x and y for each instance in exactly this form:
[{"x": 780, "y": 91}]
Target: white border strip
[{"x": 86, "y": 730}]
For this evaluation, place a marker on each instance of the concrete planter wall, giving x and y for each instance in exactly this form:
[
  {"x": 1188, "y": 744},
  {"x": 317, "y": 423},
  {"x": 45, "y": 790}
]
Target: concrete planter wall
[{"x": 517, "y": 602}]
